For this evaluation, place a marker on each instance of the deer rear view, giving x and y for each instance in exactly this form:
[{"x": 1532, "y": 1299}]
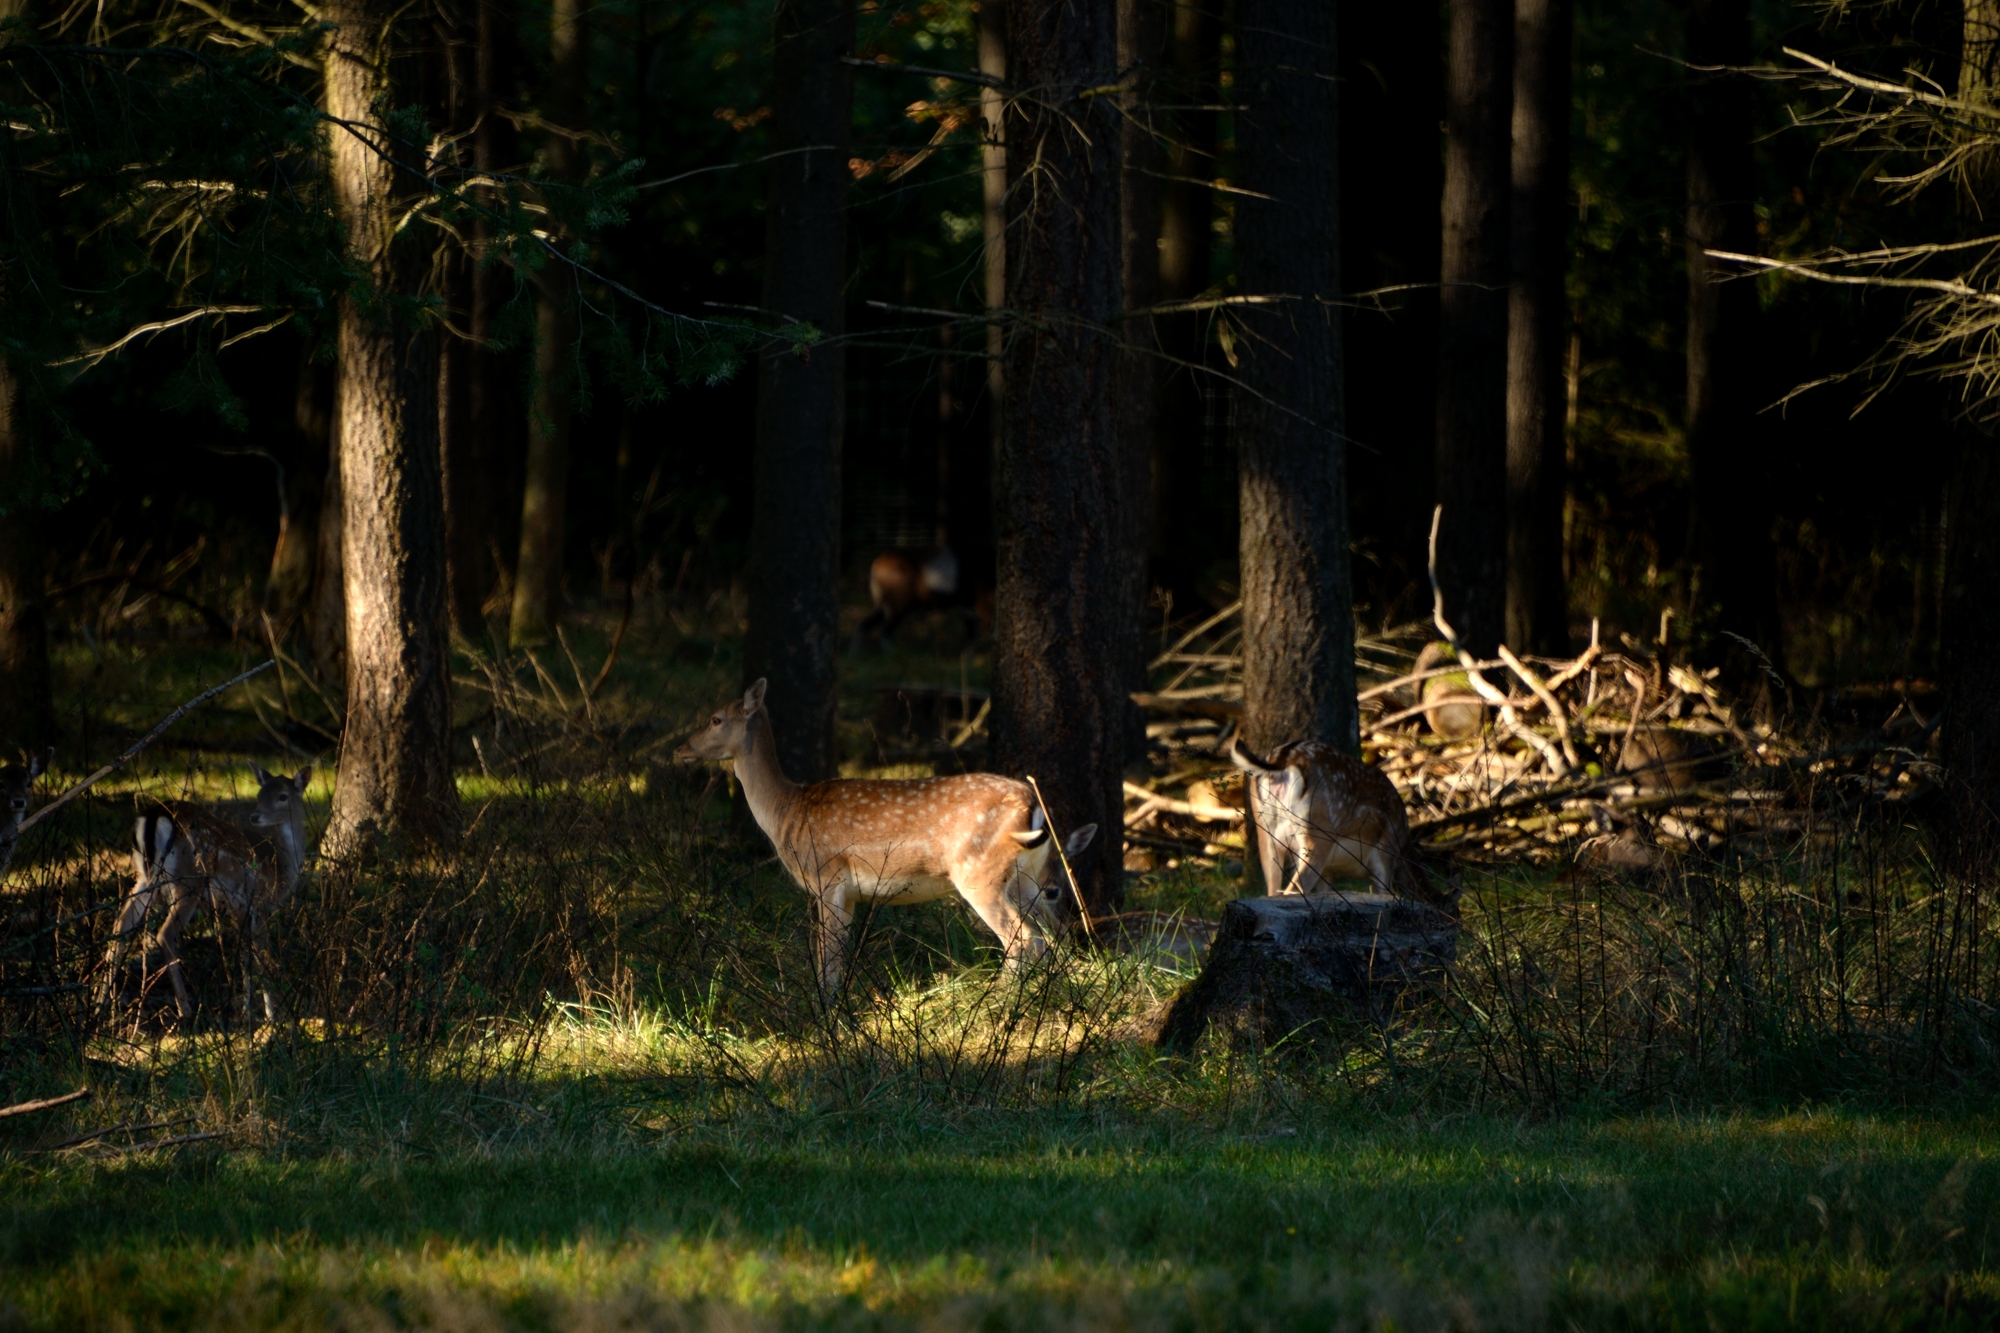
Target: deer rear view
[
  {"x": 197, "y": 859},
  {"x": 977, "y": 834},
  {"x": 1324, "y": 814}
]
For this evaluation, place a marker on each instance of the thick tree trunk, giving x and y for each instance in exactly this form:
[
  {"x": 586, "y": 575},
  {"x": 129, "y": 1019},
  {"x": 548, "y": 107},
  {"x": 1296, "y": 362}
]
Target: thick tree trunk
[
  {"x": 1298, "y": 613},
  {"x": 801, "y": 399},
  {"x": 288, "y": 590},
  {"x": 27, "y": 711},
  {"x": 1060, "y": 646},
  {"x": 1537, "y": 334},
  {"x": 1969, "y": 614},
  {"x": 1187, "y": 208},
  {"x": 538, "y": 570},
  {"x": 1472, "y": 321},
  {"x": 464, "y": 525},
  {"x": 326, "y": 610},
  {"x": 1142, "y": 63},
  {"x": 1731, "y": 510},
  {"x": 395, "y": 756}
]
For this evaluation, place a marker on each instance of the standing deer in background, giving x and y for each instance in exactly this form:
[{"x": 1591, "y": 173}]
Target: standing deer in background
[
  {"x": 201, "y": 860},
  {"x": 1327, "y": 814},
  {"x": 978, "y": 834},
  {"x": 17, "y": 787}
]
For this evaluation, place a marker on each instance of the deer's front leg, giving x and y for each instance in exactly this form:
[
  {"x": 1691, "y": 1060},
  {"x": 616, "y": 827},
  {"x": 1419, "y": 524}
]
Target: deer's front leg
[{"x": 835, "y": 901}]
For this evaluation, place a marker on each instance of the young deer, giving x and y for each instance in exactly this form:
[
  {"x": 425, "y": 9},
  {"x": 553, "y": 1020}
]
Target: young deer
[
  {"x": 843, "y": 841},
  {"x": 201, "y": 861},
  {"x": 17, "y": 787},
  {"x": 1328, "y": 814}
]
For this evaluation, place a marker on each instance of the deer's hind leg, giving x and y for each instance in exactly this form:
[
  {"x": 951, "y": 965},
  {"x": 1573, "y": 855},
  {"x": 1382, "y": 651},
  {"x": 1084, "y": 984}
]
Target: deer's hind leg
[
  {"x": 184, "y": 902},
  {"x": 129, "y": 925}
]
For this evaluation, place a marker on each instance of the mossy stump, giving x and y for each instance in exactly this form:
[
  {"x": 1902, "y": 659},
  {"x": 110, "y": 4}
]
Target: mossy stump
[{"x": 1286, "y": 965}]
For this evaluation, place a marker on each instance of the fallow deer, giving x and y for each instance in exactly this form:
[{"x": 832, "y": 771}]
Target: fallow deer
[
  {"x": 1325, "y": 814},
  {"x": 851, "y": 840},
  {"x": 17, "y": 788},
  {"x": 201, "y": 860}
]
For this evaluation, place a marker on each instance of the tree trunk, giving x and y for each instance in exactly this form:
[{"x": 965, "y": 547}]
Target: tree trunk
[
  {"x": 1142, "y": 63},
  {"x": 1969, "y": 614},
  {"x": 395, "y": 755},
  {"x": 465, "y": 530},
  {"x": 801, "y": 399},
  {"x": 1060, "y": 648},
  {"x": 1732, "y": 515},
  {"x": 288, "y": 590},
  {"x": 1187, "y": 207},
  {"x": 27, "y": 710},
  {"x": 1298, "y": 612},
  {"x": 993, "y": 188},
  {"x": 1472, "y": 322},
  {"x": 326, "y": 611},
  {"x": 538, "y": 570},
  {"x": 1537, "y": 600},
  {"x": 496, "y": 415}
]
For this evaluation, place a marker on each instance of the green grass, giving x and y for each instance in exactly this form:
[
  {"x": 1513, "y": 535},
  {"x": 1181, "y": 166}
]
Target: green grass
[
  {"x": 634, "y": 1116},
  {"x": 1272, "y": 1220}
]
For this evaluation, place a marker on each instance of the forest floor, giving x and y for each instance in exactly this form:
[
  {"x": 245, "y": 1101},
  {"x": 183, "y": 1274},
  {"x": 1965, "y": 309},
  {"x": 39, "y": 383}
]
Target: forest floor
[{"x": 690, "y": 1145}]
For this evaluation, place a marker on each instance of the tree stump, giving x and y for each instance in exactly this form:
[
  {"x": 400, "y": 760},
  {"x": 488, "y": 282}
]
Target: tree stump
[{"x": 1293, "y": 961}]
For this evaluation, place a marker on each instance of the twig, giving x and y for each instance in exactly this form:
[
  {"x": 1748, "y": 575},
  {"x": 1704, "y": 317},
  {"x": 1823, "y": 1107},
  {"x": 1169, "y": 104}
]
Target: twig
[
  {"x": 957, "y": 75},
  {"x": 81, "y": 1139},
  {"x": 1173, "y": 807},
  {"x": 47, "y": 1103},
  {"x": 133, "y": 753},
  {"x": 1062, "y": 854}
]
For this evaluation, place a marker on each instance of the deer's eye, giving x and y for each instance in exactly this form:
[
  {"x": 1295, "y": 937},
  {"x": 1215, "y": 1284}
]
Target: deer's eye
[{"x": 715, "y": 721}]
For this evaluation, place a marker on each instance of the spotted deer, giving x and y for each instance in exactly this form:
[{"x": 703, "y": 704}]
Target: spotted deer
[
  {"x": 1326, "y": 815},
  {"x": 848, "y": 841},
  {"x": 17, "y": 788},
  {"x": 198, "y": 859}
]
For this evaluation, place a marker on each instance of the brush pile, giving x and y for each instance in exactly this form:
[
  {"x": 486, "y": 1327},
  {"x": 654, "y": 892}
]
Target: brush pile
[{"x": 1610, "y": 759}]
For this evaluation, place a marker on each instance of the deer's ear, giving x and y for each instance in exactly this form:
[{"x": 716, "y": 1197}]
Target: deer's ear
[
  {"x": 1079, "y": 840},
  {"x": 263, "y": 778},
  {"x": 40, "y": 763},
  {"x": 304, "y": 777},
  {"x": 753, "y": 698}
]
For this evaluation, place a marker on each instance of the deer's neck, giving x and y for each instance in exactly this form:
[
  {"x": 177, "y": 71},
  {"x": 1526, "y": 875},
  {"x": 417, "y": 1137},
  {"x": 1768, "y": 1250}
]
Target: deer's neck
[
  {"x": 765, "y": 786},
  {"x": 291, "y": 842}
]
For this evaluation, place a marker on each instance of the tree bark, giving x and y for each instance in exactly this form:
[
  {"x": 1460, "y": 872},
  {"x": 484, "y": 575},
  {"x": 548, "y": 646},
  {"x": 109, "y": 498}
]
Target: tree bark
[
  {"x": 1731, "y": 516},
  {"x": 27, "y": 709},
  {"x": 1187, "y": 208},
  {"x": 1537, "y": 341},
  {"x": 395, "y": 756},
  {"x": 801, "y": 398},
  {"x": 1060, "y": 636},
  {"x": 1298, "y": 613},
  {"x": 538, "y": 570},
  {"x": 993, "y": 221},
  {"x": 1142, "y": 65},
  {"x": 1472, "y": 322},
  {"x": 464, "y": 525},
  {"x": 326, "y": 611}
]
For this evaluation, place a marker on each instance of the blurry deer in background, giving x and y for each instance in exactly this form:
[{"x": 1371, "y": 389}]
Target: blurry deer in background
[
  {"x": 1327, "y": 814},
  {"x": 903, "y": 581},
  {"x": 978, "y": 834},
  {"x": 17, "y": 788},
  {"x": 201, "y": 860}
]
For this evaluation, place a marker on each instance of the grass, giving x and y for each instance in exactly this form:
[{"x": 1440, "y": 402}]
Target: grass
[{"x": 577, "y": 1077}]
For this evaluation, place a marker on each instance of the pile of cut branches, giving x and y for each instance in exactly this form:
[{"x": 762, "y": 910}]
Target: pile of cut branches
[{"x": 1614, "y": 758}]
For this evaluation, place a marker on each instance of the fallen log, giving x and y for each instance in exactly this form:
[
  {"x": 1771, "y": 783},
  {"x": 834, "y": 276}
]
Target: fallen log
[{"x": 1281, "y": 967}]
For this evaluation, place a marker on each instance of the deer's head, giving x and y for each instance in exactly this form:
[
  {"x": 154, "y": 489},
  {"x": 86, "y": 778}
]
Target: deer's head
[
  {"x": 280, "y": 800},
  {"x": 1039, "y": 883},
  {"x": 17, "y": 783},
  {"x": 726, "y": 734}
]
